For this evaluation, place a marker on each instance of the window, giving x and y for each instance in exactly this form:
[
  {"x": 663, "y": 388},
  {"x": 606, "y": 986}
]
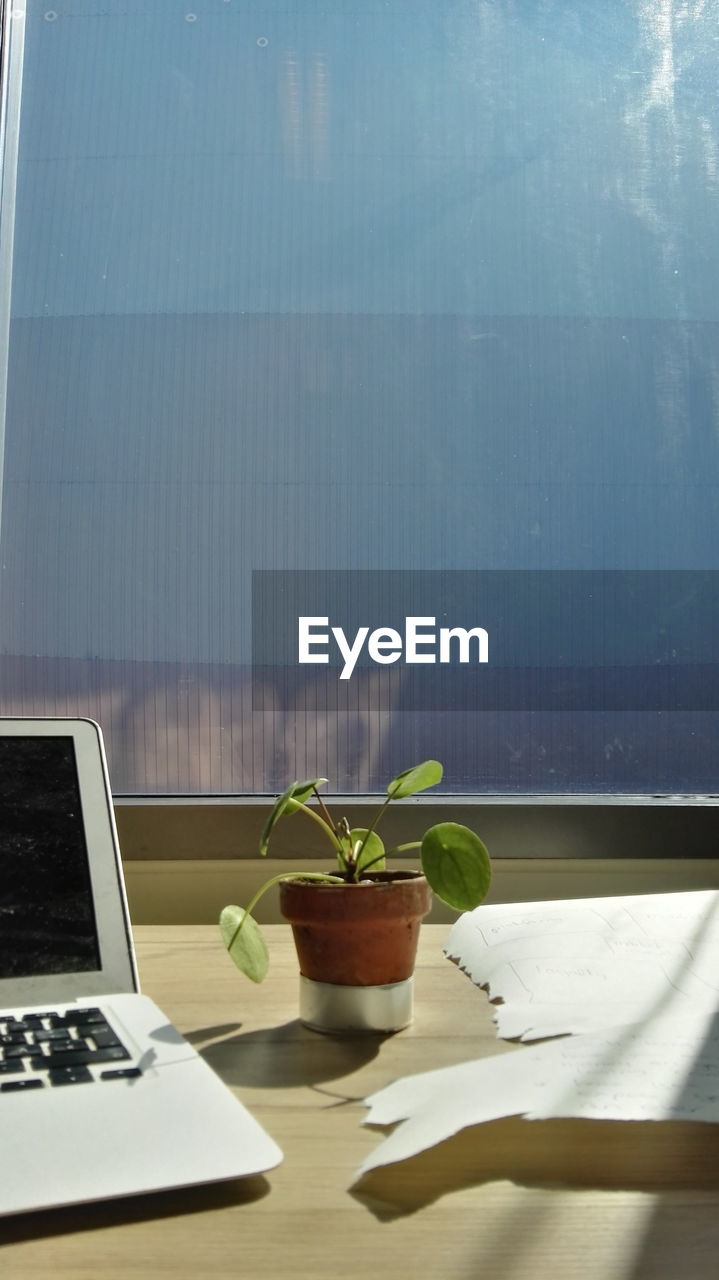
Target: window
[{"x": 359, "y": 286}]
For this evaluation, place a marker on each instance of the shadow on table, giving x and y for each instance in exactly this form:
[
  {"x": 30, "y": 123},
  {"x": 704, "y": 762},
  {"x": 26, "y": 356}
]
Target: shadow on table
[
  {"x": 100, "y": 1214},
  {"x": 287, "y": 1056},
  {"x": 587, "y": 1154},
  {"x": 679, "y": 1238},
  {"x": 203, "y": 1034}
]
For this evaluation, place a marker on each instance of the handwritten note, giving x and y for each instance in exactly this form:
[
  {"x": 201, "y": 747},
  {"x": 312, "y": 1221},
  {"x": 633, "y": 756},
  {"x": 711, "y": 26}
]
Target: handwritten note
[
  {"x": 578, "y": 966},
  {"x": 631, "y": 985},
  {"x": 641, "y": 1072}
]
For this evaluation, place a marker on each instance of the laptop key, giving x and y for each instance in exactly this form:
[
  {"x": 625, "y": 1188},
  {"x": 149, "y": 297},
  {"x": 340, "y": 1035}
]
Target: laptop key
[
  {"x": 103, "y": 1037},
  {"x": 121, "y": 1073},
  {"x": 70, "y": 1075},
  {"x": 60, "y": 1056},
  {"x": 12, "y": 1086},
  {"x": 80, "y": 1017},
  {"x": 14, "y": 1065},
  {"x": 59, "y": 1034},
  {"x": 19, "y": 1050}
]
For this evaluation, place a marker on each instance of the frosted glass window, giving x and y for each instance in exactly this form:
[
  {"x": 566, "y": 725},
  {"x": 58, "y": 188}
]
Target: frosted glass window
[{"x": 351, "y": 286}]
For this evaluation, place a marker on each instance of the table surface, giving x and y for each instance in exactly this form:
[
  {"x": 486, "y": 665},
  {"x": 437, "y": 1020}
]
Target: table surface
[{"x": 511, "y": 1200}]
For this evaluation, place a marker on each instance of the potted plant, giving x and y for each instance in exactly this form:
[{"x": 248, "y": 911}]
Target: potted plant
[{"x": 356, "y": 928}]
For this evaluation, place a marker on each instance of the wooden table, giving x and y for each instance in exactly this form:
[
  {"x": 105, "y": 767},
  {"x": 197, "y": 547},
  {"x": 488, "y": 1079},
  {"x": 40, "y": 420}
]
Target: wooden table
[{"x": 510, "y": 1200}]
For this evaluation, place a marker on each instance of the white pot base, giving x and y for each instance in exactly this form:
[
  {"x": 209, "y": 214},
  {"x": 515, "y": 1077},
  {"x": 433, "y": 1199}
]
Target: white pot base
[{"x": 325, "y": 1006}]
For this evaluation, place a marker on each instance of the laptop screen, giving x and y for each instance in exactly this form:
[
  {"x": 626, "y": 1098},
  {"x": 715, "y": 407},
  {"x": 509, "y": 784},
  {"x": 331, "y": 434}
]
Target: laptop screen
[{"x": 47, "y": 920}]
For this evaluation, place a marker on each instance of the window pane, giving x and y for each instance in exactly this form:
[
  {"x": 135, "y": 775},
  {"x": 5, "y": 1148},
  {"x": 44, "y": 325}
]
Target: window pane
[{"x": 360, "y": 286}]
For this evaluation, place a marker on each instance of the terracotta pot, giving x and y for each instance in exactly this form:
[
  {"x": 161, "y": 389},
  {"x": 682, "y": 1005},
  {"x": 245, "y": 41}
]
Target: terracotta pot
[{"x": 356, "y": 945}]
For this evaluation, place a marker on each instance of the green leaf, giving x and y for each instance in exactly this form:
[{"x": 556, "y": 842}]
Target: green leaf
[
  {"x": 303, "y": 790},
  {"x": 372, "y": 851},
  {"x": 246, "y": 945},
  {"x": 457, "y": 865},
  {"x": 288, "y": 802},
  {"x": 424, "y": 775}
]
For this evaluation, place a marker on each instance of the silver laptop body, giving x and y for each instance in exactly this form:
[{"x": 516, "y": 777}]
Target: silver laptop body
[{"x": 100, "y": 1096}]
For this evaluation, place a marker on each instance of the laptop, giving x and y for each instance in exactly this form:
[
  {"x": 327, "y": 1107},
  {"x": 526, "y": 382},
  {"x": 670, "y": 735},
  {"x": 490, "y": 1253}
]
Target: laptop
[{"x": 100, "y": 1096}]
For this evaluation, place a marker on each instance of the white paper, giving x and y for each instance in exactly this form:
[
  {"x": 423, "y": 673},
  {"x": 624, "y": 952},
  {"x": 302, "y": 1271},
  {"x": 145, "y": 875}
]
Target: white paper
[
  {"x": 666, "y": 1069},
  {"x": 586, "y": 965},
  {"x": 631, "y": 985}
]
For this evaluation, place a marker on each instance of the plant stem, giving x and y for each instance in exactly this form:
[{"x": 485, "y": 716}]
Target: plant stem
[
  {"x": 325, "y": 811},
  {"x": 399, "y": 848},
  {"x": 332, "y": 826},
  {"x": 372, "y": 827},
  {"x": 284, "y": 875},
  {"x": 328, "y": 829}
]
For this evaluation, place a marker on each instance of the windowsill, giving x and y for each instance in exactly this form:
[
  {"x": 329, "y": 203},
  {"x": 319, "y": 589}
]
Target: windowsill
[
  {"x": 194, "y": 892},
  {"x": 552, "y": 827}
]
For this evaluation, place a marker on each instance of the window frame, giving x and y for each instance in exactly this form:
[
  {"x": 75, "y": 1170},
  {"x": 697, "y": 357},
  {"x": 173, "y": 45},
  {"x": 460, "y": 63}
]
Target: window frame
[{"x": 169, "y": 828}]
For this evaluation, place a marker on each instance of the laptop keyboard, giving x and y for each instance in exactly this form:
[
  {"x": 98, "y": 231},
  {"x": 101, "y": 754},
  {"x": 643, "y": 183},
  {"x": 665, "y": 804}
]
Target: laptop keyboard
[{"x": 77, "y": 1046}]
